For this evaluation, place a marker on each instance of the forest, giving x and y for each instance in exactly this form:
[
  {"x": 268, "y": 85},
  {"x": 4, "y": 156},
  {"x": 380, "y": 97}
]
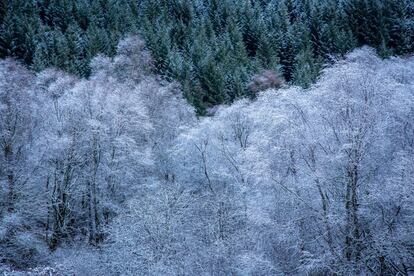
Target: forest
[
  {"x": 204, "y": 137},
  {"x": 211, "y": 47}
]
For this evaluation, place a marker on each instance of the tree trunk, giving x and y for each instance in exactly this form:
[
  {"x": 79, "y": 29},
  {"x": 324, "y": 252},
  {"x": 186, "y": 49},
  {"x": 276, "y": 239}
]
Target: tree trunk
[
  {"x": 8, "y": 154},
  {"x": 92, "y": 228},
  {"x": 352, "y": 242},
  {"x": 94, "y": 221}
]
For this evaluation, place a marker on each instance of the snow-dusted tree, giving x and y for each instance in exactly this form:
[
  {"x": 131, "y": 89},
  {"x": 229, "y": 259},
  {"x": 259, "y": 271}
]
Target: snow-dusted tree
[
  {"x": 352, "y": 155},
  {"x": 130, "y": 120},
  {"x": 148, "y": 233},
  {"x": 336, "y": 147},
  {"x": 296, "y": 181},
  {"x": 115, "y": 147},
  {"x": 295, "y": 169},
  {"x": 214, "y": 160},
  {"x": 15, "y": 128},
  {"x": 18, "y": 192},
  {"x": 58, "y": 142},
  {"x": 317, "y": 159}
]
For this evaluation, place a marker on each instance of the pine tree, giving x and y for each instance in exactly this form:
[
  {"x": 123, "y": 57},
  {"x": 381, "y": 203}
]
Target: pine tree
[
  {"x": 183, "y": 34},
  {"x": 306, "y": 67},
  {"x": 285, "y": 39},
  {"x": 401, "y": 29}
]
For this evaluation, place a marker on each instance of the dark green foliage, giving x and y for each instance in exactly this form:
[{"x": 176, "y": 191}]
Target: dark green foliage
[
  {"x": 212, "y": 47},
  {"x": 63, "y": 33}
]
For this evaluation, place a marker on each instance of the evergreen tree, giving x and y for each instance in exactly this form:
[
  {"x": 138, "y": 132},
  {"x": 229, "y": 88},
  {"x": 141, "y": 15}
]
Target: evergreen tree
[
  {"x": 239, "y": 38},
  {"x": 306, "y": 66}
]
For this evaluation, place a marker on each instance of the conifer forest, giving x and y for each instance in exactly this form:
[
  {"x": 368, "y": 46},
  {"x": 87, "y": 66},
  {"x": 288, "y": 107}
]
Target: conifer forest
[{"x": 207, "y": 137}]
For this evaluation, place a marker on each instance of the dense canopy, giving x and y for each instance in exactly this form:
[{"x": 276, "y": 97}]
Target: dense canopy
[
  {"x": 212, "y": 48},
  {"x": 116, "y": 175},
  {"x": 207, "y": 137}
]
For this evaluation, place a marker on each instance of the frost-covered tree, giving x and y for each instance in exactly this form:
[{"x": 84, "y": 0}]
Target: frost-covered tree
[
  {"x": 18, "y": 246},
  {"x": 72, "y": 150},
  {"x": 296, "y": 181},
  {"x": 333, "y": 159},
  {"x": 115, "y": 174}
]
